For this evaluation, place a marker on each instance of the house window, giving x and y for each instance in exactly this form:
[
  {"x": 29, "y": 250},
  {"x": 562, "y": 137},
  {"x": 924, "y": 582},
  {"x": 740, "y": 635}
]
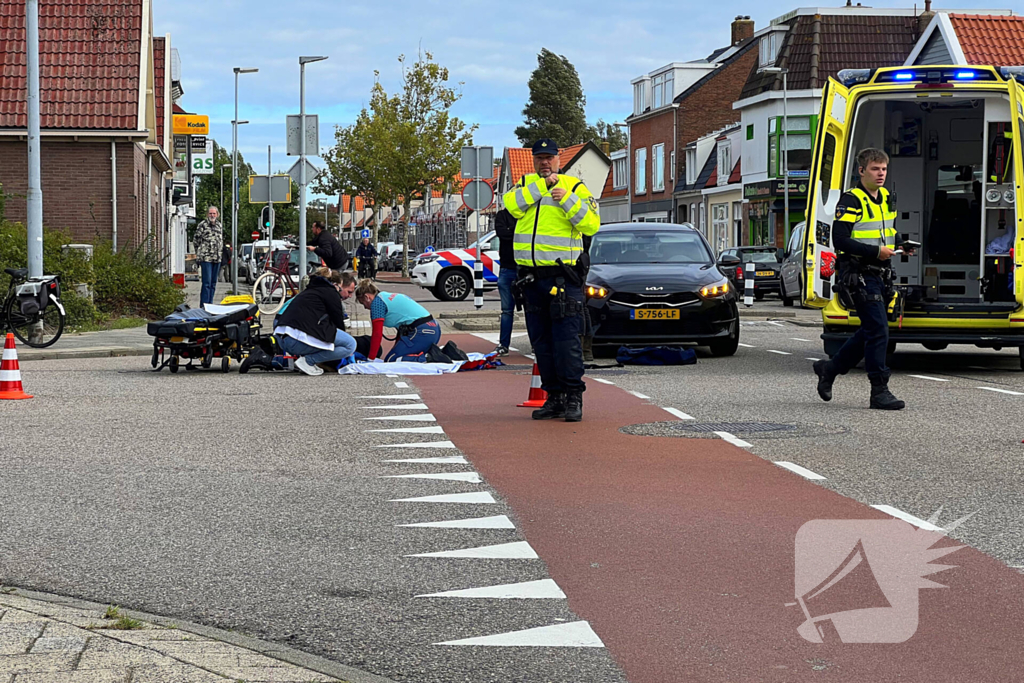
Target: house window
[
  {"x": 641, "y": 171},
  {"x": 719, "y": 226},
  {"x": 672, "y": 167},
  {"x": 800, "y": 134},
  {"x": 691, "y": 167},
  {"x": 661, "y": 89},
  {"x": 750, "y": 132},
  {"x": 724, "y": 162},
  {"x": 639, "y": 97},
  {"x": 658, "y": 168},
  {"x": 693, "y": 215},
  {"x": 768, "y": 48},
  {"x": 620, "y": 177}
]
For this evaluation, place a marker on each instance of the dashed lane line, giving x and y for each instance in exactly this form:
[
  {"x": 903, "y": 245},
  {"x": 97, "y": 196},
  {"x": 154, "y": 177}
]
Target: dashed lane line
[
  {"x": 1002, "y": 391},
  {"x": 543, "y": 589},
  {"x": 907, "y": 517},
  {"x": 734, "y": 440},
  {"x": 781, "y": 353},
  {"x": 408, "y": 397},
  {"x": 419, "y": 444},
  {"x": 799, "y": 339},
  {"x": 802, "y": 471},
  {"x": 747, "y": 346},
  {"x": 678, "y": 413},
  {"x": 813, "y": 359},
  {"x": 931, "y": 379},
  {"x": 401, "y": 385},
  {"x": 602, "y": 381},
  {"x": 638, "y": 394},
  {"x": 494, "y": 522}
]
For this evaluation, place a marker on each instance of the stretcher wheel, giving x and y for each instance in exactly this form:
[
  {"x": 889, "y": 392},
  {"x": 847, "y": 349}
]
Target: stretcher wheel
[
  {"x": 225, "y": 364},
  {"x": 208, "y": 358},
  {"x": 155, "y": 359},
  {"x": 173, "y": 364}
]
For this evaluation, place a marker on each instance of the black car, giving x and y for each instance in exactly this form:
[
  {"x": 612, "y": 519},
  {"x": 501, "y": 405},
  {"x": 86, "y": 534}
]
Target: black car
[
  {"x": 657, "y": 284},
  {"x": 767, "y": 268}
]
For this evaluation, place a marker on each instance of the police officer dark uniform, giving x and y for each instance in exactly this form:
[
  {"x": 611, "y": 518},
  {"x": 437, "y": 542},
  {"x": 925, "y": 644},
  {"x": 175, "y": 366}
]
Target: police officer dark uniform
[
  {"x": 553, "y": 212},
  {"x": 864, "y": 234}
]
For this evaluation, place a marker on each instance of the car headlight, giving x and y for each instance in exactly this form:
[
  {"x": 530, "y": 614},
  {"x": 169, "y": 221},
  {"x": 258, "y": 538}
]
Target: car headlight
[
  {"x": 429, "y": 258},
  {"x": 596, "y": 292},
  {"x": 715, "y": 290}
]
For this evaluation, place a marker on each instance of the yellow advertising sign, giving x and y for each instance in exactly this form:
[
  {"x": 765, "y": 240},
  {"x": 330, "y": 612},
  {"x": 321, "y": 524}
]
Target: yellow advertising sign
[{"x": 191, "y": 124}]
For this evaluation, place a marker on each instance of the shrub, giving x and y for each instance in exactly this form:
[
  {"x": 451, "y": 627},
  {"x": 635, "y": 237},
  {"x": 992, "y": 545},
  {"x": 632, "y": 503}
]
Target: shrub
[{"x": 127, "y": 283}]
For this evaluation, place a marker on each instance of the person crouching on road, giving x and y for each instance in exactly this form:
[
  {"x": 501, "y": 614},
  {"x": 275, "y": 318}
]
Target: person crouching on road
[
  {"x": 313, "y": 325},
  {"x": 417, "y": 329},
  {"x": 553, "y": 212}
]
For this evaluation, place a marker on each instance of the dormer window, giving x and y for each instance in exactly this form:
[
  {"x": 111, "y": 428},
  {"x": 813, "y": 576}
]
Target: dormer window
[
  {"x": 769, "y": 48},
  {"x": 662, "y": 87}
]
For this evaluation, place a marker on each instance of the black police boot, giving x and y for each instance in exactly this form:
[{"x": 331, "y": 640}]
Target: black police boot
[
  {"x": 588, "y": 349},
  {"x": 257, "y": 358},
  {"x": 882, "y": 398},
  {"x": 827, "y": 373},
  {"x": 574, "y": 406},
  {"x": 553, "y": 407}
]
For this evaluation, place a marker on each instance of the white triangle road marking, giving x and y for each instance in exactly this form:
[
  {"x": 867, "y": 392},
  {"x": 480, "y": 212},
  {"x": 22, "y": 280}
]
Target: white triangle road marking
[
  {"x": 410, "y": 397},
  {"x": 419, "y": 444},
  {"x": 518, "y": 550},
  {"x": 477, "y": 497},
  {"x": 449, "y": 459},
  {"x": 401, "y": 385},
  {"x": 425, "y": 417},
  {"x": 545, "y": 589},
  {"x": 495, "y": 522},
  {"x": 572, "y": 634},
  {"x": 399, "y": 406},
  {"x": 471, "y": 477},
  {"x": 436, "y": 429}
]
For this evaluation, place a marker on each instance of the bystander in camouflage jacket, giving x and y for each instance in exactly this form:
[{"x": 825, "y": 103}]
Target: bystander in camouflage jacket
[{"x": 209, "y": 241}]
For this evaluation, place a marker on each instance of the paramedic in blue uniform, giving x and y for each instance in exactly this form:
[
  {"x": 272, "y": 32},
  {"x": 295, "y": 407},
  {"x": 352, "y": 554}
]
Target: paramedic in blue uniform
[{"x": 417, "y": 329}]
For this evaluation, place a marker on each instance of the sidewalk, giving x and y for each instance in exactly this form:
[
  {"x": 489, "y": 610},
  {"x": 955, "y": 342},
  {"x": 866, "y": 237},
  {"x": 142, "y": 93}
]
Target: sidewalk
[{"x": 44, "y": 639}]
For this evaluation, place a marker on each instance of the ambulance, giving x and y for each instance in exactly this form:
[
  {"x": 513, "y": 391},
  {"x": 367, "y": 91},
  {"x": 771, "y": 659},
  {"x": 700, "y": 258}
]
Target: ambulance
[{"x": 955, "y": 145}]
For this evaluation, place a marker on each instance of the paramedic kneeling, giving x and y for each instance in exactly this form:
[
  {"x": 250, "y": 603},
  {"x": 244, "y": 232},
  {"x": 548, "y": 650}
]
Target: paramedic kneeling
[
  {"x": 417, "y": 329},
  {"x": 313, "y": 325}
]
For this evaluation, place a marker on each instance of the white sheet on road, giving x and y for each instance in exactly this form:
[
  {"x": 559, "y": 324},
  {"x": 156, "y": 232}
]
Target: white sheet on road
[{"x": 379, "y": 367}]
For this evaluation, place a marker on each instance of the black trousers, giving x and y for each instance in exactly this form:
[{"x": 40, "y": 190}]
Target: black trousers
[
  {"x": 871, "y": 340},
  {"x": 555, "y": 340}
]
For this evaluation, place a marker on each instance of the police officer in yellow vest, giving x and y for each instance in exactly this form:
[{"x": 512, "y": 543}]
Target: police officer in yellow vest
[
  {"x": 864, "y": 235},
  {"x": 552, "y": 214}
]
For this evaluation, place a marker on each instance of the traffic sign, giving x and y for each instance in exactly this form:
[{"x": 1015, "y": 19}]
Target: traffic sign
[
  {"x": 258, "y": 189},
  {"x": 365, "y": 232},
  {"x": 477, "y": 162},
  {"x": 294, "y": 135},
  {"x": 311, "y": 172},
  {"x": 477, "y": 195},
  {"x": 428, "y": 250},
  {"x": 255, "y": 234}
]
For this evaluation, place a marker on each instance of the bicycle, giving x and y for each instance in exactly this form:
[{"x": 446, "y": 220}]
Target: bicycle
[
  {"x": 275, "y": 285},
  {"x": 32, "y": 309}
]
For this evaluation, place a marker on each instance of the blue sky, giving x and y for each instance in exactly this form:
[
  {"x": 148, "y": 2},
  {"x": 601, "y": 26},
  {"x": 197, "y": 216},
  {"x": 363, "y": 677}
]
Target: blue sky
[{"x": 490, "y": 47}]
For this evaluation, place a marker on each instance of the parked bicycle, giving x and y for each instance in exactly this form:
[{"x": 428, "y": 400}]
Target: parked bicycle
[
  {"x": 280, "y": 280},
  {"x": 32, "y": 309}
]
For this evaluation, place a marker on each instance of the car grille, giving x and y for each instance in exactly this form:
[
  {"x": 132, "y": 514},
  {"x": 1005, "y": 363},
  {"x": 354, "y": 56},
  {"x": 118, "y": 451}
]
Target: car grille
[
  {"x": 622, "y": 327},
  {"x": 634, "y": 299}
]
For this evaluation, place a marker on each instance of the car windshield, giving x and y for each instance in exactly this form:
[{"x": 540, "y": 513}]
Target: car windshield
[
  {"x": 487, "y": 242},
  {"x": 760, "y": 256},
  {"x": 649, "y": 246}
]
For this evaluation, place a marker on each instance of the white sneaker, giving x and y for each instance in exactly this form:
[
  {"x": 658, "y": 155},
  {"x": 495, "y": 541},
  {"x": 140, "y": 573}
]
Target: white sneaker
[{"x": 311, "y": 370}]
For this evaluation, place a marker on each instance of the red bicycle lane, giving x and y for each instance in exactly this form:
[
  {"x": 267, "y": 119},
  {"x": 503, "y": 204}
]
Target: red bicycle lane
[{"x": 680, "y": 552}]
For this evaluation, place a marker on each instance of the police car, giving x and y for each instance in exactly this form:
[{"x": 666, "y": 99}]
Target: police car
[{"x": 448, "y": 274}]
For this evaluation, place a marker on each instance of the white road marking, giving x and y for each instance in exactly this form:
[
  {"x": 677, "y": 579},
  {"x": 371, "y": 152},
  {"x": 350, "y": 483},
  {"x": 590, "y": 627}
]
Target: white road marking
[
  {"x": 933, "y": 379},
  {"x": 476, "y": 497},
  {"x": 799, "y": 339},
  {"x": 399, "y": 406},
  {"x": 814, "y": 359},
  {"x": 409, "y": 397},
  {"x": 471, "y": 477},
  {"x": 802, "y": 471},
  {"x": 436, "y": 429},
  {"x": 602, "y": 381},
  {"x": 419, "y": 444},
  {"x": 544, "y": 589},
  {"x": 517, "y": 550},
  {"x": 530, "y": 356},
  {"x": 771, "y": 322},
  {"x": 571, "y": 634},
  {"x": 781, "y": 353},
  {"x": 495, "y": 522},
  {"x": 426, "y": 417},
  {"x": 978, "y": 367},
  {"x": 734, "y": 440},
  {"x": 1003, "y": 391},
  {"x": 391, "y": 375},
  {"x": 401, "y": 385},
  {"x": 907, "y": 517},
  {"x": 678, "y": 413},
  {"x": 747, "y": 346},
  {"x": 638, "y": 394},
  {"x": 448, "y": 459}
]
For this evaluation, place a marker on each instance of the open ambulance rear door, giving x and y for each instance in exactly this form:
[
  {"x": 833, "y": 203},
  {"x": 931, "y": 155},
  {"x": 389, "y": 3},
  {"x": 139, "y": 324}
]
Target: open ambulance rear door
[
  {"x": 826, "y": 187},
  {"x": 1017, "y": 114}
]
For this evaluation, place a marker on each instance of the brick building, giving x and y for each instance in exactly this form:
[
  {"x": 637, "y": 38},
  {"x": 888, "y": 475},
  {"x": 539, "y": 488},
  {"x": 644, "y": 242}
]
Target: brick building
[
  {"x": 106, "y": 147},
  {"x": 676, "y": 104}
]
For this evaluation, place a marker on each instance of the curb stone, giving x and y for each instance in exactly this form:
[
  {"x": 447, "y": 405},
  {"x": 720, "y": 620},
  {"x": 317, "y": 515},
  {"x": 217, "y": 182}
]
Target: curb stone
[{"x": 273, "y": 650}]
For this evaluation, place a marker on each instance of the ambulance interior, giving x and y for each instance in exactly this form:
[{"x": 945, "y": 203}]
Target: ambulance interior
[{"x": 951, "y": 173}]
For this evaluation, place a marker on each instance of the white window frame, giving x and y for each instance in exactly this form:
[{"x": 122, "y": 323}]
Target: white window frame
[
  {"x": 768, "y": 49},
  {"x": 620, "y": 173},
  {"x": 640, "y": 184},
  {"x": 724, "y": 162},
  {"x": 639, "y": 97},
  {"x": 691, "y": 166},
  {"x": 662, "y": 89},
  {"x": 658, "y": 168},
  {"x": 672, "y": 166}
]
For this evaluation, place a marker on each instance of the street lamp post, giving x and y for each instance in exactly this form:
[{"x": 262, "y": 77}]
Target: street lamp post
[
  {"x": 234, "y": 181},
  {"x": 303, "y": 61},
  {"x": 785, "y": 152},
  {"x": 34, "y": 202},
  {"x": 222, "y": 167}
]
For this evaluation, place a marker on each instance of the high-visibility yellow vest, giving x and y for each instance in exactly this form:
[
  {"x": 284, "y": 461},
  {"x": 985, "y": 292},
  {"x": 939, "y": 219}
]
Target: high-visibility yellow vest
[
  {"x": 547, "y": 230},
  {"x": 874, "y": 223}
]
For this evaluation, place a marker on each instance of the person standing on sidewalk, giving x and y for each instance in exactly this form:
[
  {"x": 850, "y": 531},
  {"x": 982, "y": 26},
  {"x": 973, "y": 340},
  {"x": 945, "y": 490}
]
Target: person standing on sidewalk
[
  {"x": 553, "y": 212},
  {"x": 505, "y": 228},
  {"x": 209, "y": 243}
]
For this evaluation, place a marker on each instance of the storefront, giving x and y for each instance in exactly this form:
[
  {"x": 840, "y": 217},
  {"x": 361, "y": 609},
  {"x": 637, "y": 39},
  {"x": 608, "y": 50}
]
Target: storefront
[{"x": 766, "y": 205}]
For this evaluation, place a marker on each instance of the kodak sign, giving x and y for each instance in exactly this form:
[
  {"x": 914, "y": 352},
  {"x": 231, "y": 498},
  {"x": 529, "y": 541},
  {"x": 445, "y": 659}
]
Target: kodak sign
[{"x": 191, "y": 124}]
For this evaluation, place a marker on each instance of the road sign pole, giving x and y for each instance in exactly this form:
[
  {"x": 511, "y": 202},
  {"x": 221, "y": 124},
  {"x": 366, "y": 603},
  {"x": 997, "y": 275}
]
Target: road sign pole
[
  {"x": 270, "y": 203},
  {"x": 35, "y": 185},
  {"x": 478, "y": 265}
]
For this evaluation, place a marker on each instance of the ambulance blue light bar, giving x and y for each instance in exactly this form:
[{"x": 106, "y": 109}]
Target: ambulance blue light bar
[
  {"x": 904, "y": 76},
  {"x": 934, "y": 77},
  {"x": 965, "y": 75},
  {"x": 1012, "y": 72}
]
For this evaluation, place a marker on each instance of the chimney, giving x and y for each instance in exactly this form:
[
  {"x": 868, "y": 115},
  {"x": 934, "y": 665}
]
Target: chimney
[
  {"x": 606, "y": 147},
  {"x": 742, "y": 29}
]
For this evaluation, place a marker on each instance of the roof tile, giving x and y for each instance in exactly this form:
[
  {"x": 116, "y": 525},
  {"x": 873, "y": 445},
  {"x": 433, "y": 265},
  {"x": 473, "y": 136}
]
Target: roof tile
[{"x": 985, "y": 39}]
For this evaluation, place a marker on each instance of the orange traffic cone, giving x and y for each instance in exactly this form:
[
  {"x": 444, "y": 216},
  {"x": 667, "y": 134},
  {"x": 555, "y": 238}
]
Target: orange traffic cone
[
  {"x": 537, "y": 395},
  {"x": 10, "y": 373}
]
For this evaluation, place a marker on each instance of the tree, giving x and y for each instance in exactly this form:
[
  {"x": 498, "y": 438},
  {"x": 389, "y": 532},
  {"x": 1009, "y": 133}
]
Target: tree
[
  {"x": 556, "y": 109},
  {"x": 610, "y": 133}
]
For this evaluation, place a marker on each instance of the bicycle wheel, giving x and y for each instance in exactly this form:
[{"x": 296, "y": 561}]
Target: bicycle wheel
[
  {"x": 270, "y": 293},
  {"x": 39, "y": 330}
]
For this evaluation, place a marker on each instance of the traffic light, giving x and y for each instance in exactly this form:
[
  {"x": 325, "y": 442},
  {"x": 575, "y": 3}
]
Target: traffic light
[{"x": 267, "y": 218}]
